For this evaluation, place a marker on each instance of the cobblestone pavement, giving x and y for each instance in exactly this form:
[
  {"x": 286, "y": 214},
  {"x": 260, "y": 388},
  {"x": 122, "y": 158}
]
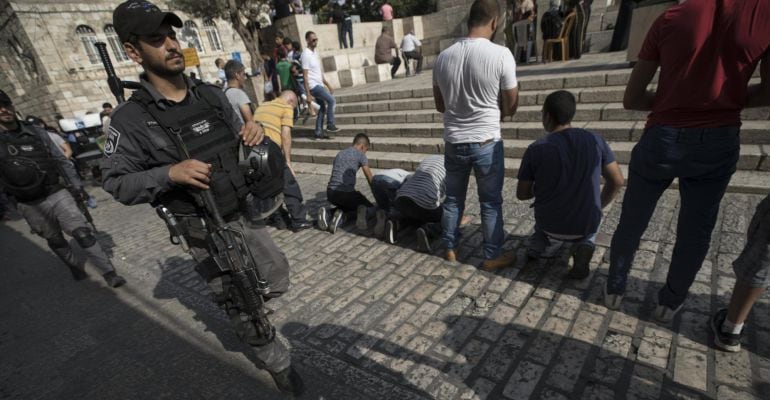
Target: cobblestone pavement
[{"x": 367, "y": 320}]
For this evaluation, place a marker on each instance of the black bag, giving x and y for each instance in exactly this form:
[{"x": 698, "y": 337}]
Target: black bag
[{"x": 551, "y": 24}]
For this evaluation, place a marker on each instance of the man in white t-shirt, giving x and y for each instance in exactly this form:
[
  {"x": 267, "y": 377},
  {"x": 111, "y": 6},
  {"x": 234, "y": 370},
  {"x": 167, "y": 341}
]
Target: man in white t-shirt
[
  {"x": 316, "y": 88},
  {"x": 412, "y": 48},
  {"x": 235, "y": 73},
  {"x": 468, "y": 79}
]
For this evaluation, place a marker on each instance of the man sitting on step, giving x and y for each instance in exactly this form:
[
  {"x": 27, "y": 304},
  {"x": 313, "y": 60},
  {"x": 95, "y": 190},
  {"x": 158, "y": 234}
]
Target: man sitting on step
[
  {"x": 341, "y": 190},
  {"x": 562, "y": 171}
]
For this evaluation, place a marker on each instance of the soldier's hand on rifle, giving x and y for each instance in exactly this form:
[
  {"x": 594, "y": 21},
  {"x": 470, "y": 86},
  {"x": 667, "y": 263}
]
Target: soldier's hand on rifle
[
  {"x": 191, "y": 173},
  {"x": 80, "y": 195},
  {"x": 252, "y": 133}
]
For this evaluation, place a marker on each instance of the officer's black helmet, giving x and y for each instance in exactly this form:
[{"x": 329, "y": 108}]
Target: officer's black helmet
[{"x": 264, "y": 168}]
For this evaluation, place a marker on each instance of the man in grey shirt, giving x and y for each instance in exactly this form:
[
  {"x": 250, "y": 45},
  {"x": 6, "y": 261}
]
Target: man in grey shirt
[
  {"x": 236, "y": 78},
  {"x": 341, "y": 190}
]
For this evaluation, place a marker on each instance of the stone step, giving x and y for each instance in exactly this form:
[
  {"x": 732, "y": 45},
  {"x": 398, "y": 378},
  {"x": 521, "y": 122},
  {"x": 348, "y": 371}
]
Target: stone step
[
  {"x": 752, "y": 132},
  {"x": 544, "y": 81},
  {"x": 599, "y": 42},
  {"x": 526, "y": 98},
  {"x": 319, "y": 162},
  {"x": 585, "y": 112},
  {"x": 753, "y": 156}
]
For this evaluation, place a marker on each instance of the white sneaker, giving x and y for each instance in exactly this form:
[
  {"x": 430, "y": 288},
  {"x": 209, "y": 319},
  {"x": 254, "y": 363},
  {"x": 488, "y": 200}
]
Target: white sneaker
[
  {"x": 391, "y": 229},
  {"x": 337, "y": 221},
  {"x": 323, "y": 219}
]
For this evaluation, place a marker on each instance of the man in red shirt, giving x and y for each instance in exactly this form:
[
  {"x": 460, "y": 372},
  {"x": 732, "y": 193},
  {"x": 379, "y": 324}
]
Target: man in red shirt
[{"x": 707, "y": 51}]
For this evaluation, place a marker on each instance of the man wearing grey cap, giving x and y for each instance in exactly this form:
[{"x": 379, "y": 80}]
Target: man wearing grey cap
[
  {"x": 35, "y": 172},
  {"x": 145, "y": 163}
]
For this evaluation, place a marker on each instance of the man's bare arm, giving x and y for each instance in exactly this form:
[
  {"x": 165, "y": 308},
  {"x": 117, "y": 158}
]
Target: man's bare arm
[
  {"x": 524, "y": 190},
  {"x": 368, "y": 174},
  {"x": 637, "y": 97},
  {"x": 613, "y": 181},
  {"x": 286, "y": 143},
  {"x": 246, "y": 112},
  {"x": 307, "y": 87},
  {"x": 438, "y": 98},
  {"x": 759, "y": 94},
  {"x": 510, "y": 102}
]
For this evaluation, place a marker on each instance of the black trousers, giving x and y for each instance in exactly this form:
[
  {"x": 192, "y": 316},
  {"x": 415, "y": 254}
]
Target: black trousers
[
  {"x": 410, "y": 212},
  {"x": 292, "y": 197},
  {"x": 413, "y": 55},
  {"x": 395, "y": 63},
  {"x": 347, "y": 201}
]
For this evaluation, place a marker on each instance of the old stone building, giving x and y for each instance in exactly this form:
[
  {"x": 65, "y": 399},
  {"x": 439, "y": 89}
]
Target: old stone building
[{"x": 49, "y": 66}]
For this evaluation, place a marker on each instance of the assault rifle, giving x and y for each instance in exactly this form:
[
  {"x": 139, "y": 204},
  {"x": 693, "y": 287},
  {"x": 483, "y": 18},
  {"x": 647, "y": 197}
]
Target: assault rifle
[{"x": 226, "y": 244}]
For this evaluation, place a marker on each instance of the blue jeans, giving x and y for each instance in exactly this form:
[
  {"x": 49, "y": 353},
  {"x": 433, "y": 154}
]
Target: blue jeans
[
  {"x": 540, "y": 240},
  {"x": 384, "y": 190},
  {"x": 327, "y": 103},
  {"x": 345, "y": 29},
  {"x": 487, "y": 164},
  {"x": 703, "y": 159}
]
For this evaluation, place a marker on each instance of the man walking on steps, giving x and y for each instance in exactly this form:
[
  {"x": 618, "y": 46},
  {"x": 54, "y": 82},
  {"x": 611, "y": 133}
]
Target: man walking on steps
[{"x": 316, "y": 88}]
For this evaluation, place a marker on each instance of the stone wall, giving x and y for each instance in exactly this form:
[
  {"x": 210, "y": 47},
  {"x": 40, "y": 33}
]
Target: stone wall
[{"x": 52, "y": 74}]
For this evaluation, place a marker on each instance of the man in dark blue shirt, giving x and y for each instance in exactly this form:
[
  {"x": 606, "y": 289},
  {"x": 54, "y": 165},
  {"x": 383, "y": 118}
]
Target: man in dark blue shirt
[{"x": 563, "y": 171}]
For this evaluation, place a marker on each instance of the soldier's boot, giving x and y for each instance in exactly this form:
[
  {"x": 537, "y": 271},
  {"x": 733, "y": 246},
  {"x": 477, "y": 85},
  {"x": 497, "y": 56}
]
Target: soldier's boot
[
  {"x": 87, "y": 240},
  {"x": 288, "y": 381},
  {"x": 61, "y": 248},
  {"x": 113, "y": 279}
]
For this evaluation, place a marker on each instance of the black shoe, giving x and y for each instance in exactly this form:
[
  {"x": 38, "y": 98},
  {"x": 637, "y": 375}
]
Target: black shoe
[
  {"x": 114, "y": 280},
  {"x": 332, "y": 129},
  {"x": 288, "y": 381},
  {"x": 277, "y": 221},
  {"x": 390, "y": 231},
  {"x": 337, "y": 221},
  {"x": 532, "y": 254},
  {"x": 581, "y": 258},
  {"x": 78, "y": 273},
  {"x": 297, "y": 226},
  {"x": 730, "y": 342},
  {"x": 423, "y": 242},
  {"x": 379, "y": 227}
]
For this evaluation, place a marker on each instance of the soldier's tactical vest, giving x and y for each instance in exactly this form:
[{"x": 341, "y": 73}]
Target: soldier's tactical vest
[
  {"x": 202, "y": 127},
  {"x": 28, "y": 172}
]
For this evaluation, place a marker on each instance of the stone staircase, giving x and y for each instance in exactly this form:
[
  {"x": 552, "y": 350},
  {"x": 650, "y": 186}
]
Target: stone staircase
[
  {"x": 601, "y": 24},
  {"x": 400, "y": 118}
]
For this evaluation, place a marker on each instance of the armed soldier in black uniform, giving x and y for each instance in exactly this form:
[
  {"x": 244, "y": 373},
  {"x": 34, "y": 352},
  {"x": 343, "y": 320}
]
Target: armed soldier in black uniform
[
  {"x": 36, "y": 173},
  {"x": 175, "y": 144}
]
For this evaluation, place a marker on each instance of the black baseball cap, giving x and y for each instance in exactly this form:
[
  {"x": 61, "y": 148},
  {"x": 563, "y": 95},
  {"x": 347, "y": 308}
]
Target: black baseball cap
[
  {"x": 140, "y": 17},
  {"x": 4, "y": 98}
]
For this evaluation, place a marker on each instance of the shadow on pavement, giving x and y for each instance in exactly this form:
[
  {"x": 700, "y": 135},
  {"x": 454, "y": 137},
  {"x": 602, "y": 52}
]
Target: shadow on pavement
[
  {"x": 404, "y": 363},
  {"x": 62, "y": 339}
]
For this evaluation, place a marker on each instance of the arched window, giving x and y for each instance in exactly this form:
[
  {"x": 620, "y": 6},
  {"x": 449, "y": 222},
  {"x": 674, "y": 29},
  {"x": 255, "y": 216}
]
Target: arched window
[
  {"x": 117, "y": 47},
  {"x": 190, "y": 36},
  {"x": 213, "y": 34},
  {"x": 88, "y": 38}
]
